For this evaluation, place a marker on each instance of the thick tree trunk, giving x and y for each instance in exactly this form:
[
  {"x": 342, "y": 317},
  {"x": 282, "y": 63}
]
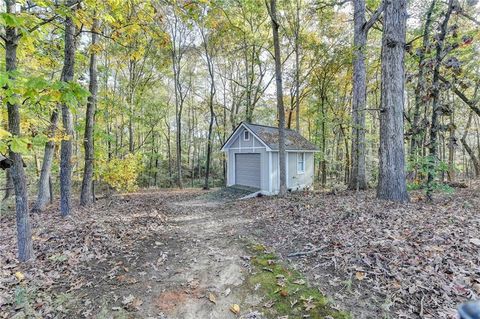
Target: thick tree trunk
[
  {"x": 67, "y": 120},
  {"x": 86, "y": 196},
  {"x": 435, "y": 123},
  {"x": 24, "y": 233},
  {"x": 44, "y": 194},
  {"x": 280, "y": 107},
  {"x": 358, "y": 177},
  {"x": 392, "y": 183}
]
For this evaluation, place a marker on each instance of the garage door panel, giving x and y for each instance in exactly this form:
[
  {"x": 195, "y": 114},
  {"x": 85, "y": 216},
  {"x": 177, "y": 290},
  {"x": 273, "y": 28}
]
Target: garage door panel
[{"x": 247, "y": 169}]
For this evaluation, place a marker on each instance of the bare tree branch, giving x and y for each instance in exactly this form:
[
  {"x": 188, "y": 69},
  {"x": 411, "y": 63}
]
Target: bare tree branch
[{"x": 375, "y": 16}]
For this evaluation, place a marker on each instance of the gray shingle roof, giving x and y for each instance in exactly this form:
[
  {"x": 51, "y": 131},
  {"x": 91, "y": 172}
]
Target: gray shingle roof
[{"x": 293, "y": 140}]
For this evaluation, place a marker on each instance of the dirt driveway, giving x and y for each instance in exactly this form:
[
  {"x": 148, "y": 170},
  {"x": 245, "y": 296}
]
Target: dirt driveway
[
  {"x": 159, "y": 254},
  {"x": 202, "y": 273}
]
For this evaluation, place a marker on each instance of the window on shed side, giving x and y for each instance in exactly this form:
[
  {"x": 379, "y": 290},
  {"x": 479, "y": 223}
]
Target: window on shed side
[
  {"x": 246, "y": 135},
  {"x": 300, "y": 163}
]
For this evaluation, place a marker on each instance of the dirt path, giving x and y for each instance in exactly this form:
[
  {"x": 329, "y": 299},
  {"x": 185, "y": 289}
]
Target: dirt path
[
  {"x": 191, "y": 267},
  {"x": 205, "y": 263},
  {"x": 161, "y": 254}
]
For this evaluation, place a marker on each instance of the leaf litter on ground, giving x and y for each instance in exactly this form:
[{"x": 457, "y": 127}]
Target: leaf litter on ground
[{"x": 379, "y": 258}]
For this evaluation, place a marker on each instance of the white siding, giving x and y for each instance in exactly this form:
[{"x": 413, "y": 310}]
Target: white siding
[
  {"x": 298, "y": 180},
  {"x": 275, "y": 173}
]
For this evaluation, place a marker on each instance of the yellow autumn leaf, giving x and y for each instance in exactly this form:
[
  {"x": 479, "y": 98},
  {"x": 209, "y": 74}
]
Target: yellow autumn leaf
[
  {"x": 212, "y": 298},
  {"x": 4, "y": 133},
  {"x": 360, "y": 275},
  {"x": 20, "y": 276},
  {"x": 235, "y": 309}
]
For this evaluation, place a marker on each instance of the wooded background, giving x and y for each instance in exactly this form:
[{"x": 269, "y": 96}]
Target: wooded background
[{"x": 124, "y": 94}]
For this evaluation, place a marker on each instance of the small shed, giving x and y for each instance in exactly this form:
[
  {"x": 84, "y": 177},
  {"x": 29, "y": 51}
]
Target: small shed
[{"x": 253, "y": 161}]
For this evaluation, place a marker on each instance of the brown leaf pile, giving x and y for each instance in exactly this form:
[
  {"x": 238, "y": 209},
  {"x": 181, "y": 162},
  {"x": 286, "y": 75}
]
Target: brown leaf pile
[
  {"x": 418, "y": 260},
  {"x": 92, "y": 245}
]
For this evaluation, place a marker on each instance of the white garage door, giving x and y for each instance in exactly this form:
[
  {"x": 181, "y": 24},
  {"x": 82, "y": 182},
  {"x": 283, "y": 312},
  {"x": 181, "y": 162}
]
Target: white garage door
[{"x": 247, "y": 169}]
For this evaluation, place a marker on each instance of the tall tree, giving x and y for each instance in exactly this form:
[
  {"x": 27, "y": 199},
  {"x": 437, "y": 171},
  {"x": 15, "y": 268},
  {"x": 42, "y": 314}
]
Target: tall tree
[
  {"x": 17, "y": 171},
  {"x": 358, "y": 175},
  {"x": 86, "y": 195},
  {"x": 279, "y": 88},
  {"x": 392, "y": 179},
  {"x": 67, "y": 118},
  {"x": 206, "y": 38},
  {"x": 417, "y": 129},
  {"x": 179, "y": 33},
  {"x": 44, "y": 182},
  {"x": 436, "y": 111}
]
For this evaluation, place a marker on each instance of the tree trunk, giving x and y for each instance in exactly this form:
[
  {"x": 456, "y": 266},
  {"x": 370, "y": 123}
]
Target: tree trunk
[
  {"x": 210, "y": 105},
  {"x": 44, "y": 194},
  {"x": 297, "y": 68},
  {"x": 417, "y": 131},
  {"x": 358, "y": 178},
  {"x": 280, "y": 107},
  {"x": 392, "y": 183},
  {"x": 435, "y": 123},
  {"x": 323, "y": 130},
  {"x": 86, "y": 196},
  {"x": 67, "y": 120},
  {"x": 24, "y": 233},
  {"x": 471, "y": 153},
  {"x": 358, "y": 175},
  {"x": 131, "y": 92},
  {"x": 9, "y": 189}
]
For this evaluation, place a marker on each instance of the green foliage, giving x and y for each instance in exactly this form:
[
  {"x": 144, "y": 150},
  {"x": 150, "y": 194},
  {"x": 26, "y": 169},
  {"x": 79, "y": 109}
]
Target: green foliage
[{"x": 422, "y": 166}]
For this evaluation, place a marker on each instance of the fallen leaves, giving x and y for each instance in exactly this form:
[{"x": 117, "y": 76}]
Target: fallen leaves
[
  {"x": 235, "y": 309},
  {"x": 212, "y": 298},
  {"x": 360, "y": 275},
  {"x": 475, "y": 241},
  {"x": 131, "y": 303},
  {"x": 423, "y": 256},
  {"x": 76, "y": 253},
  {"x": 20, "y": 276}
]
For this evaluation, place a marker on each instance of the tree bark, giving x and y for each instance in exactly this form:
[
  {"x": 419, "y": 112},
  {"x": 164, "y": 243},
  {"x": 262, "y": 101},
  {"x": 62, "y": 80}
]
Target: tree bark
[
  {"x": 9, "y": 189},
  {"x": 392, "y": 179},
  {"x": 210, "y": 105},
  {"x": 417, "y": 131},
  {"x": 280, "y": 107},
  {"x": 297, "y": 67},
  {"x": 358, "y": 175},
  {"x": 358, "y": 179},
  {"x": 471, "y": 153},
  {"x": 44, "y": 193},
  {"x": 67, "y": 120},
  {"x": 436, "y": 113},
  {"x": 86, "y": 196},
  {"x": 24, "y": 233}
]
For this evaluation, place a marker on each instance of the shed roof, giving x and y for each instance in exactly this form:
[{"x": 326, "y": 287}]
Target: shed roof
[{"x": 269, "y": 135}]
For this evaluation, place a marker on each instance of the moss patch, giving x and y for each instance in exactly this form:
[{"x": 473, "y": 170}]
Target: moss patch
[{"x": 286, "y": 291}]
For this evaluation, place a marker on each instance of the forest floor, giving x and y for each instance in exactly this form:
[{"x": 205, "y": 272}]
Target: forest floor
[{"x": 195, "y": 254}]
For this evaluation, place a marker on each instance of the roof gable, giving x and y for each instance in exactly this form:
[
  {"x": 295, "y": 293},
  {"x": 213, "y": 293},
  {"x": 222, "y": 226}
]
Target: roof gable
[
  {"x": 269, "y": 136},
  {"x": 236, "y": 136}
]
